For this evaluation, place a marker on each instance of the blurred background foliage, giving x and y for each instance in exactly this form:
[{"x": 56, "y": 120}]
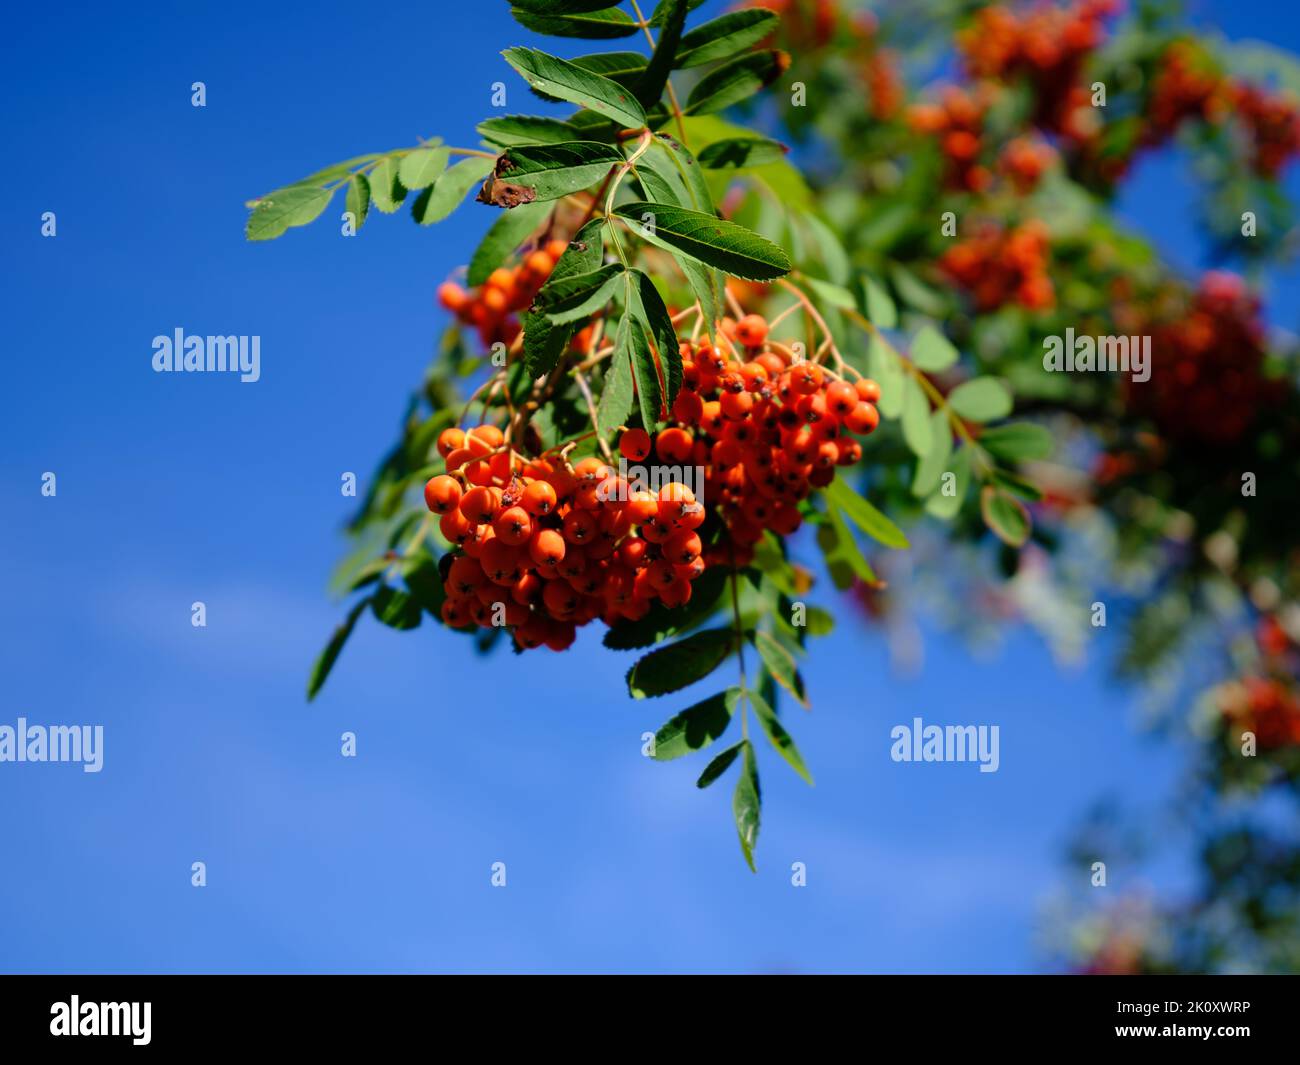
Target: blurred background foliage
[{"x": 1168, "y": 503}]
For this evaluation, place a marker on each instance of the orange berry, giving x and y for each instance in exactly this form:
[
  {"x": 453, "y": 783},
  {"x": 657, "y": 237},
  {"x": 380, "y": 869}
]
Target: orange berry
[
  {"x": 751, "y": 330},
  {"x": 500, "y": 562},
  {"x": 539, "y": 498},
  {"x": 442, "y": 494},
  {"x": 452, "y": 296},
  {"x": 513, "y": 526},
  {"x": 449, "y": 440},
  {"x": 862, "y": 419},
  {"x": 458, "y": 458},
  {"x": 479, "y": 505},
  {"x": 867, "y": 389},
  {"x": 546, "y": 548},
  {"x": 539, "y": 264},
  {"x": 634, "y": 445},
  {"x": 737, "y": 405},
  {"x": 489, "y": 434},
  {"x": 579, "y": 527},
  {"x": 805, "y": 378},
  {"x": 682, "y": 548},
  {"x": 590, "y": 471},
  {"x": 674, "y": 445},
  {"x": 455, "y": 527},
  {"x": 841, "y": 397}
]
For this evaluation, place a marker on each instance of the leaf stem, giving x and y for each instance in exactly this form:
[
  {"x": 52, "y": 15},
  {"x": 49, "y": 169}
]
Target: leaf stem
[{"x": 672, "y": 93}]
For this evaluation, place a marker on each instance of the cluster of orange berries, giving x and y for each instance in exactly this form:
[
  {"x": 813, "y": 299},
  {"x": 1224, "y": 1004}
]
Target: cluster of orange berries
[
  {"x": 1188, "y": 85},
  {"x": 957, "y": 119},
  {"x": 1045, "y": 43},
  {"x": 998, "y": 266},
  {"x": 1274, "y": 124},
  {"x": 543, "y": 547},
  {"x": 1185, "y": 86},
  {"x": 1265, "y": 707},
  {"x": 1207, "y": 380},
  {"x": 493, "y": 307},
  {"x": 767, "y": 428},
  {"x": 803, "y": 24}
]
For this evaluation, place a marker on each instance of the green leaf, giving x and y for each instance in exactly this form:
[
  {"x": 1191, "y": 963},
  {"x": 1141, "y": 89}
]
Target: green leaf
[
  {"x": 696, "y": 728},
  {"x": 746, "y": 802},
  {"x": 946, "y": 506},
  {"x": 649, "y": 307},
  {"x": 725, "y": 36},
  {"x": 781, "y": 739},
  {"x": 422, "y": 167},
  {"x": 1005, "y": 515},
  {"x": 337, "y": 170},
  {"x": 503, "y": 237},
  {"x": 651, "y": 86},
  {"x": 1018, "y": 485},
  {"x": 544, "y": 343},
  {"x": 616, "y": 398},
  {"x": 690, "y": 171},
  {"x": 719, "y": 765},
  {"x": 706, "y": 287},
  {"x": 734, "y": 81},
  {"x": 660, "y": 11},
  {"x": 449, "y": 191},
  {"x": 712, "y": 241},
  {"x": 568, "y": 299},
  {"x": 781, "y": 665},
  {"x": 321, "y": 669},
  {"x": 820, "y": 622},
  {"x": 357, "y": 202},
  {"x": 625, "y": 68},
  {"x": 914, "y": 292},
  {"x": 293, "y": 206},
  {"x": 424, "y": 582},
  {"x": 570, "y": 82},
  {"x": 555, "y": 170},
  {"x": 935, "y": 460},
  {"x": 386, "y": 189},
  {"x": 1018, "y": 442},
  {"x": 981, "y": 399},
  {"x": 880, "y": 306},
  {"x": 395, "y": 608},
  {"x": 602, "y": 23},
  {"x": 932, "y": 351},
  {"x": 644, "y": 372},
  {"x": 737, "y": 153},
  {"x": 844, "y": 559},
  {"x": 671, "y": 668},
  {"x": 864, "y": 515},
  {"x": 832, "y": 294},
  {"x": 511, "y": 130},
  {"x": 916, "y": 417},
  {"x": 833, "y": 256},
  {"x": 884, "y": 365}
]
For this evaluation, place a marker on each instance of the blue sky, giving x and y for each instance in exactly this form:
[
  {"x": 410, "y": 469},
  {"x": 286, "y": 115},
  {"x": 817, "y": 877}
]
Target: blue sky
[{"x": 177, "y": 488}]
